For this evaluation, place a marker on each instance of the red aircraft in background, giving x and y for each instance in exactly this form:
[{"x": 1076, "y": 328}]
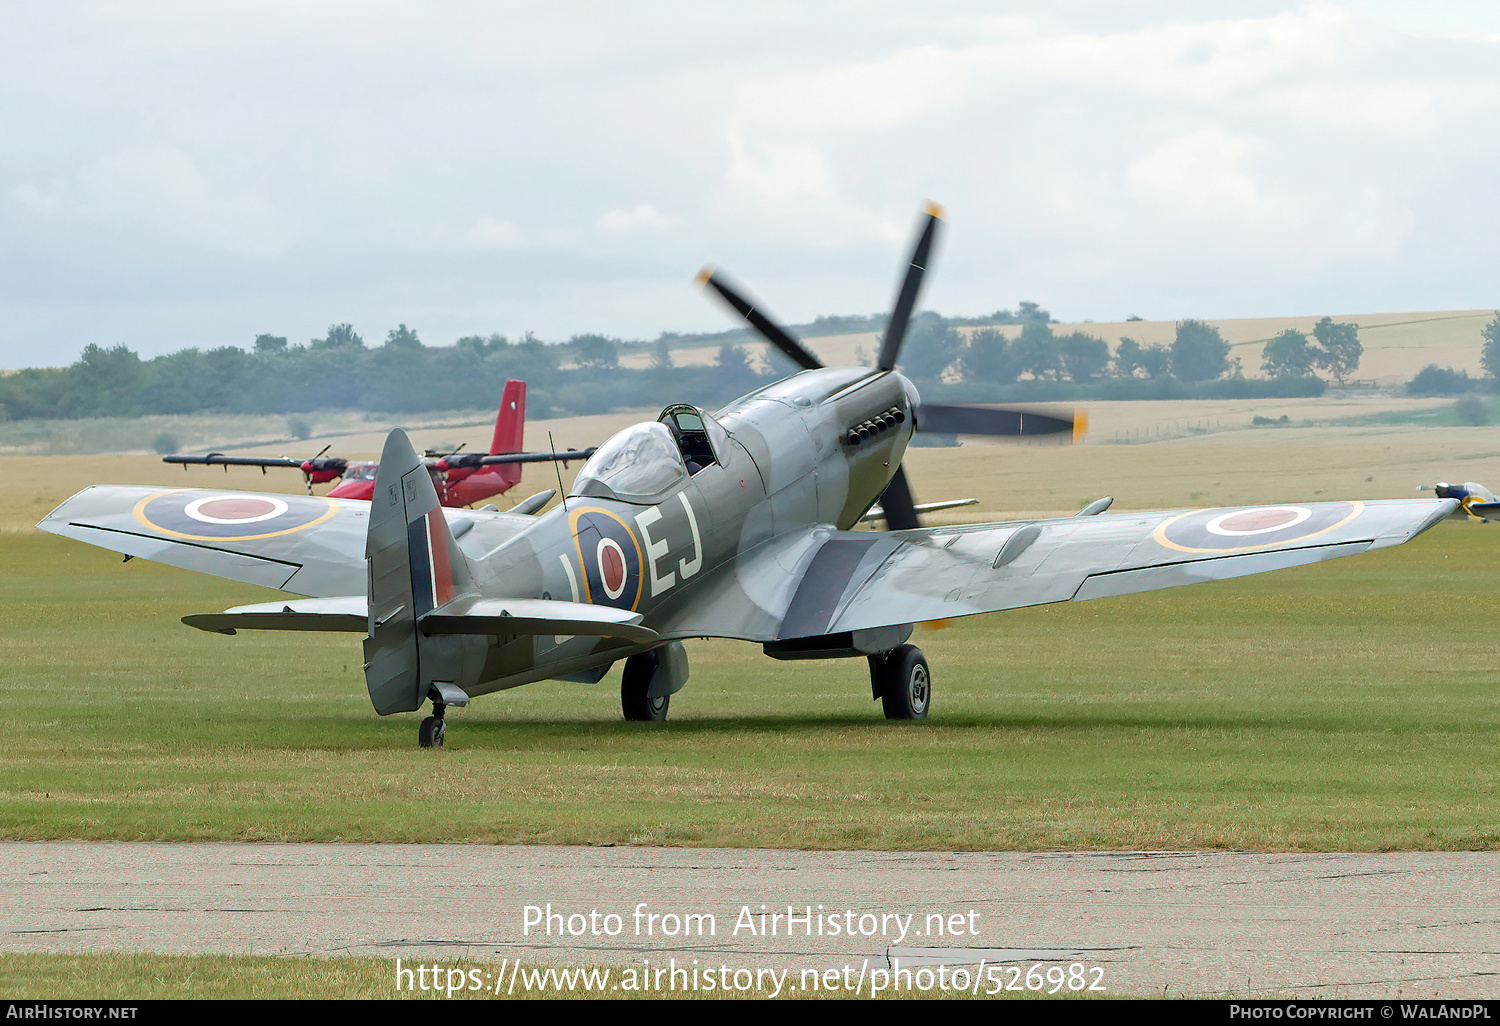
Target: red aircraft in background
[{"x": 461, "y": 478}]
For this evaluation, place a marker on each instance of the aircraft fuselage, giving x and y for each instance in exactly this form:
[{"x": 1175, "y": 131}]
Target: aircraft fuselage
[{"x": 815, "y": 448}]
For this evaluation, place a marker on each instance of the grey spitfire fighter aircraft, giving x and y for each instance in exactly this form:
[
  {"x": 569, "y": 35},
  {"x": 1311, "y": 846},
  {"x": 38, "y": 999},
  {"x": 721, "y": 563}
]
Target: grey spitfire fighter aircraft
[{"x": 735, "y": 524}]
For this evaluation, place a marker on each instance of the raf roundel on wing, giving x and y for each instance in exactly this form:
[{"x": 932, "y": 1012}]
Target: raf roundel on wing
[
  {"x": 229, "y": 516},
  {"x": 1253, "y": 527}
]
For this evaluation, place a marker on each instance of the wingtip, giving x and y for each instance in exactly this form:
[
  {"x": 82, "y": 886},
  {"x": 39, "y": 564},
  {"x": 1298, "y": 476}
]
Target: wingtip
[{"x": 1080, "y": 424}]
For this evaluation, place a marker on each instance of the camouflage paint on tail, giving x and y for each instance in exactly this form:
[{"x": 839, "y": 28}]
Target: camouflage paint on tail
[
  {"x": 414, "y": 567},
  {"x": 510, "y": 427}
]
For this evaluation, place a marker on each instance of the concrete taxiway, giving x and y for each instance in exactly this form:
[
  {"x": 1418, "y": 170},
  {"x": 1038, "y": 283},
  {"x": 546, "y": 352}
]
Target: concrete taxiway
[{"x": 1177, "y": 923}]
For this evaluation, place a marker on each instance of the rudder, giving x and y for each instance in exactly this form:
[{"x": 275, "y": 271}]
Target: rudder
[
  {"x": 510, "y": 429},
  {"x": 414, "y": 566}
]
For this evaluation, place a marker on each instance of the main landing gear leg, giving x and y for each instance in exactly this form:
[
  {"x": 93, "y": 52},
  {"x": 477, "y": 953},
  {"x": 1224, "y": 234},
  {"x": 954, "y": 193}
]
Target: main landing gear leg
[
  {"x": 430, "y": 733},
  {"x": 903, "y": 683}
]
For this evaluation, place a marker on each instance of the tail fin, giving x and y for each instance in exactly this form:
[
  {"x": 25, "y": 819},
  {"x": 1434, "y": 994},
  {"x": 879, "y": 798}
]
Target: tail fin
[
  {"x": 510, "y": 429},
  {"x": 414, "y": 567}
]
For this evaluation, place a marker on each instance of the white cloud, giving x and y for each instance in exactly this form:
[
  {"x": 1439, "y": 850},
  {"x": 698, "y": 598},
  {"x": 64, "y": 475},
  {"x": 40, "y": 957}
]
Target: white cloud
[
  {"x": 1201, "y": 168},
  {"x": 490, "y": 233},
  {"x": 164, "y": 170},
  {"x": 147, "y": 199},
  {"x": 643, "y": 217},
  {"x": 1372, "y": 103}
]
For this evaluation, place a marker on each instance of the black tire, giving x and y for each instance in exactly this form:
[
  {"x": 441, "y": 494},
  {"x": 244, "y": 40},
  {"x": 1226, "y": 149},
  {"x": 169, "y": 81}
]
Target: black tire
[
  {"x": 634, "y": 701},
  {"x": 430, "y": 733},
  {"x": 905, "y": 683}
]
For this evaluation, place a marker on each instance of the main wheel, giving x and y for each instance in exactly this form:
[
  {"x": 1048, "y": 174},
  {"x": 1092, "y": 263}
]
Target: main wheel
[
  {"x": 905, "y": 683},
  {"x": 430, "y": 733},
  {"x": 634, "y": 682}
]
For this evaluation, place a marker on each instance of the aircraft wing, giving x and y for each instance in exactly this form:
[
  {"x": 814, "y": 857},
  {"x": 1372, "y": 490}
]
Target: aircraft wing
[
  {"x": 856, "y": 581},
  {"x": 824, "y": 581},
  {"x": 303, "y": 544}
]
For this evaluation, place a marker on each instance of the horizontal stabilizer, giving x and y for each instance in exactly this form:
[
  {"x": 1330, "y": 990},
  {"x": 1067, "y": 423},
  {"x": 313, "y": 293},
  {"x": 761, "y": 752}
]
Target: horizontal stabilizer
[
  {"x": 470, "y": 615},
  {"x": 343, "y": 613}
]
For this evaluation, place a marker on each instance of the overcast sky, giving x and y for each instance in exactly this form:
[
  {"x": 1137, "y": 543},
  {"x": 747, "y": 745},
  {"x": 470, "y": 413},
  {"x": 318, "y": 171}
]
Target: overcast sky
[{"x": 176, "y": 174}]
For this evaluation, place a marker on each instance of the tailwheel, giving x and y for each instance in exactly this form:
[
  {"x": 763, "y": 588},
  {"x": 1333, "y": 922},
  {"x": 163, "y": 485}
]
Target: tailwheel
[
  {"x": 635, "y": 682},
  {"x": 430, "y": 733},
  {"x": 903, "y": 681}
]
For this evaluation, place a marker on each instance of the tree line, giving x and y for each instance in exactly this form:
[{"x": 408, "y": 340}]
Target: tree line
[
  {"x": 1198, "y": 354},
  {"x": 585, "y": 375},
  {"x": 1435, "y": 380}
]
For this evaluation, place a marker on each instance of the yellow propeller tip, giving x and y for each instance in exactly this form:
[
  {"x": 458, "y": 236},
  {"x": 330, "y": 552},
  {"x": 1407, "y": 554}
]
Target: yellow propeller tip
[
  {"x": 1080, "y": 424},
  {"x": 705, "y": 274},
  {"x": 935, "y": 210}
]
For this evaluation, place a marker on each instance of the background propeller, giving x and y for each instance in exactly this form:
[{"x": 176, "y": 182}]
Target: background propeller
[
  {"x": 1474, "y": 500},
  {"x": 319, "y": 469},
  {"x": 897, "y": 501}
]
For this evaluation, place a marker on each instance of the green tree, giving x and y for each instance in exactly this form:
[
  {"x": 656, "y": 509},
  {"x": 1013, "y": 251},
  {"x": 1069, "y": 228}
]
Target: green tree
[
  {"x": 732, "y": 370},
  {"x": 932, "y": 344},
  {"x": 661, "y": 356},
  {"x": 1131, "y": 356},
  {"x": 1490, "y": 356},
  {"x": 1156, "y": 360},
  {"x": 596, "y": 352},
  {"x": 988, "y": 357},
  {"x": 1036, "y": 351},
  {"x": 1288, "y": 355},
  {"x": 482, "y": 344},
  {"x": 1028, "y": 313},
  {"x": 1199, "y": 352},
  {"x": 1340, "y": 348},
  {"x": 270, "y": 344},
  {"x": 1435, "y": 380},
  {"x": 402, "y": 338},
  {"x": 106, "y": 382},
  {"x": 340, "y": 336},
  {"x": 1084, "y": 357}
]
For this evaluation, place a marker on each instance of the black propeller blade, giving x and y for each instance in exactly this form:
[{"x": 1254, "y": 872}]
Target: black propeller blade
[
  {"x": 218, "y": 459},
  {"x": 479, "y": 459},
  {"x": 895, "y": 330},
  {"x": 769, "y": 329},
  {"x": 986, "y": 420},
  {"x": 900, "y": 508}
]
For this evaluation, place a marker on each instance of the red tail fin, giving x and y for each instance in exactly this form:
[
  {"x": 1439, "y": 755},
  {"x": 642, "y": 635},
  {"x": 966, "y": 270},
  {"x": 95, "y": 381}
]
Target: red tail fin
[{"x": 510, "y": 427}]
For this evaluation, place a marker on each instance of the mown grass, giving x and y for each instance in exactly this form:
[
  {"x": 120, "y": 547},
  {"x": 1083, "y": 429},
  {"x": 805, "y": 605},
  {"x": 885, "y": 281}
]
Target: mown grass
[
  {"x": 1347, "y": 706},
  {"x": 151, "y": 977}
]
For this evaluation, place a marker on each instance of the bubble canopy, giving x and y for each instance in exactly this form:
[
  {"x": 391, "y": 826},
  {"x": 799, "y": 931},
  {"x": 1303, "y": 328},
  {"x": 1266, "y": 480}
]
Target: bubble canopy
[{"x": 640, "y": 464}]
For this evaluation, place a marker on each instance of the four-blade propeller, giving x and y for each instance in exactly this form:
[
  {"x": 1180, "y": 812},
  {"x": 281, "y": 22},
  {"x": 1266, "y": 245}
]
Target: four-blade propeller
[{"x": 897, "y": 502}]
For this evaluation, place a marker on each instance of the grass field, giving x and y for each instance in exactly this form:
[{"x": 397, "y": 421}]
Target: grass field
[
  {"x": 1345, "y": 706},
  {"x": 1350, "y": 705}
]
